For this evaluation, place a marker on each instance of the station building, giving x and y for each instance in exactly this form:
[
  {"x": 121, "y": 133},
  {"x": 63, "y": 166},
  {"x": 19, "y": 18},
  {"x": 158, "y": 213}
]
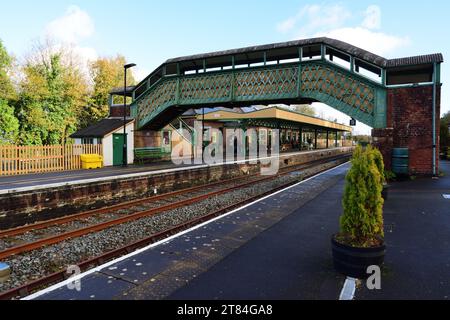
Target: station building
[{"x": 297, "y": 131}]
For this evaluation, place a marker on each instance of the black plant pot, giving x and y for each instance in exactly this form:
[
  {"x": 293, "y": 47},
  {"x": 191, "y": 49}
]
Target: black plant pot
[
  {"x": 385, "y": 191},
  {"x": 353, "y": 262}
]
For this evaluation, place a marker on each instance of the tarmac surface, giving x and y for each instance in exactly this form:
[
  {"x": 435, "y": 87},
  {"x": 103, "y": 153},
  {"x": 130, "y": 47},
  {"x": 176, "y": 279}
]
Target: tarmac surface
[{"x": 417, "y": 234}]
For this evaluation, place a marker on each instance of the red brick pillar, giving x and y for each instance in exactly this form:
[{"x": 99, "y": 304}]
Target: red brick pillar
[
  {"x": 383, "y": 139},
  {"x": 410, "y": 125}
]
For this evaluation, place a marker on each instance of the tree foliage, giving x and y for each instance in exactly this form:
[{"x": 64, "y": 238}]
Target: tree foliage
[
  {"x": 305, "y": 109},
  {"x": 7, "y": 91},
  {"x": 444, "y": 132},
  {"x": 52, "y": 94},
  {"x": 362, "y": 221},
  {"x": 106, "y": 73},
  {"x": 9, "y": 125}
]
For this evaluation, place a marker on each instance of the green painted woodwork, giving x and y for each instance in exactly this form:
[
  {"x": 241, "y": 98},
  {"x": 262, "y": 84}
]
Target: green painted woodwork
[
  {"x": 118, "y": 143},
  {"x": 320, "y": 80}
]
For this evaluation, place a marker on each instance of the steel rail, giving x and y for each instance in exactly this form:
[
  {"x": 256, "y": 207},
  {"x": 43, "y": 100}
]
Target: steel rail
[{"x": 108, "y": 209}]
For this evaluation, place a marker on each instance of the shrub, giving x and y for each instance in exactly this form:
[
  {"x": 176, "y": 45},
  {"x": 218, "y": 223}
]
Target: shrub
[
  {"x": 389, "y": 175},
  {"x": 362, "y": 220},
  {"x": 379, "y": 162}
]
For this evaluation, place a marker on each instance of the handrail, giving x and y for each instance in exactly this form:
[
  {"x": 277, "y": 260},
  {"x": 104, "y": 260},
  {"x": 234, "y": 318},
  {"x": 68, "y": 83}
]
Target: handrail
[{"x": 274, "y": 66}]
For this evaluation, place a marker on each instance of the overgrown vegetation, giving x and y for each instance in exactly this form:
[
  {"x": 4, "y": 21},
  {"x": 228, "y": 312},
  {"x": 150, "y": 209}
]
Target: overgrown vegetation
[
  {"x": 50, "y": 95},
  {"x": 362, "y": 220},
  {"x": 445, "y": 136},
  {"x": 389, "y": 175}
]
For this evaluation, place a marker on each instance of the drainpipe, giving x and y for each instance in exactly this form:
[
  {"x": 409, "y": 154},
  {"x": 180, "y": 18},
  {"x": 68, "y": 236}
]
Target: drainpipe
[{"x": 434, "y": 119}]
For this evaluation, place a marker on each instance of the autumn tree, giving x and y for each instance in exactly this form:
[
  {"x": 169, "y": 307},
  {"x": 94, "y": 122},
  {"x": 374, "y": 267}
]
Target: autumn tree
[
  {"x": 53, "y": 93},
  {"x": 444, "y": 132},
  {"x": 9, "y": 125},
  {"x": 106, "y": 74},
  {"x": 305, "y": 109}
]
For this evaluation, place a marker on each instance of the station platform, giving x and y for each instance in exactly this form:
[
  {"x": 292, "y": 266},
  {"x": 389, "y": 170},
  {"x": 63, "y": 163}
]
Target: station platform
[
  {"x": 275, "y": 248},
  {"x": 21, "y": 183},
  {"x": 28, "y": 199},
  {"x": 279, "y": 248},
  {"x": 9, "y": 184},
  {"x": 417, "y": 232}
]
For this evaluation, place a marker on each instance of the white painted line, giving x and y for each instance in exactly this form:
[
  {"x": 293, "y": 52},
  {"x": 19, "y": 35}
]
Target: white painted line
[
  {"x": 349, "y": 289},
  {"x": 106, "y": 265},
  {"x": 148, "y": 173},
  {"x": 446, "y": 196}
]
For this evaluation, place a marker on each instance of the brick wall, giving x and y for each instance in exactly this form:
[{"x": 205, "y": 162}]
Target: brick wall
[
  {"x": 118, "y": 111},
  {"x": 409, "y": 123}
]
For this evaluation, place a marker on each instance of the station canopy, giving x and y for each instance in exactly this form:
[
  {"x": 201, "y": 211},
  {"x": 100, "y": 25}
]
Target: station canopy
[{"x": 273, "y": 117}]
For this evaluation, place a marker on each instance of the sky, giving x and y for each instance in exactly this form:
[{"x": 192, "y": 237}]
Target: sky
[{"x": 148, "y": 32}]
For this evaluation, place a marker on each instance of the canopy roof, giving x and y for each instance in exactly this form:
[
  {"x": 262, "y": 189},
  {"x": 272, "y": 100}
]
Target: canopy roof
[{"x": 275, "y": 114}]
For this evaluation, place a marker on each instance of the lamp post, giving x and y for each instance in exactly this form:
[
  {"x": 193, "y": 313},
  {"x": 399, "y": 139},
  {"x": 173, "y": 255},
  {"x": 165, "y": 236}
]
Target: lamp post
[{"x": 125, "y": 138}]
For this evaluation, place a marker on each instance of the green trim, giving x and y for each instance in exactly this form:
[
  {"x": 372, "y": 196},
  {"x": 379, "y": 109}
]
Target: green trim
[
  {"x": 269, "y": 83},
  {"x": 438, "y": 73}
]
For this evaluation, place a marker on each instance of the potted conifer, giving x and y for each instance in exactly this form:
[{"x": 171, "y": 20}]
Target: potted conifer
[
  {"x": 379, "y": 162},
  {"x": 360, "y": 243}
]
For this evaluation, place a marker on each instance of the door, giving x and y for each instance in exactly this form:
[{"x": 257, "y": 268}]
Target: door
[
  {"x": 118, "y": 143},
  {"x": 167, "y": 141}
]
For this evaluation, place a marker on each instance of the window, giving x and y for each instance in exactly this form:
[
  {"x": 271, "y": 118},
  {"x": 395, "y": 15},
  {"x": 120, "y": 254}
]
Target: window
[
  {"x": 87, "y": 141},
  {"x": 166, "y": 138}
]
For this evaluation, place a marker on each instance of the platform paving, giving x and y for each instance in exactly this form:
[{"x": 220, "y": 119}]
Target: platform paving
[{"x": 417, "y": 224}]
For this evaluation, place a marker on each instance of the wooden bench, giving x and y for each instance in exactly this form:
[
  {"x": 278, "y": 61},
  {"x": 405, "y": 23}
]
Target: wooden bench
[{"x": 149, "y": 153}]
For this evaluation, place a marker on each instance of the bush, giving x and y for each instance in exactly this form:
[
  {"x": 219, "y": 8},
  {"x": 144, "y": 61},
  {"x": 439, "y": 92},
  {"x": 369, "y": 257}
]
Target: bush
[
  {"x": 379, "y": 162},
  {"x": 362, "y": 221},
  {"x": 389, "y": 175}
]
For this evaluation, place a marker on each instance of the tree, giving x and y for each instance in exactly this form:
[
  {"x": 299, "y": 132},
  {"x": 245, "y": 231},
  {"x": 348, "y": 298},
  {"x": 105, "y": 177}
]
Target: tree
[
  {"x": 9, "y": 125},
  {"x": 106, "y": 73},
  {"x": 305, "y": 109},
  {"x": 52, "y": 94},
  {"x": 362, "y": 221},
  {"x": 7, "y": 91},
  {"x": 444, "y": 132}
]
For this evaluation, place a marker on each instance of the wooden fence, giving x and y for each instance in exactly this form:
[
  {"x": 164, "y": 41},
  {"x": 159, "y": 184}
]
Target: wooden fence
[{"x": 15, "y": 160}]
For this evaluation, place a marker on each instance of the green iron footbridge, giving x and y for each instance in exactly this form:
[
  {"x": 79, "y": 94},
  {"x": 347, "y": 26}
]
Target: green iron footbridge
[{"x": 347, "y": 78}]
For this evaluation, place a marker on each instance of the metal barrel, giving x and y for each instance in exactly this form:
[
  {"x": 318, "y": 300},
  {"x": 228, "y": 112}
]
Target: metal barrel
[{"x": 400, "y": 160}]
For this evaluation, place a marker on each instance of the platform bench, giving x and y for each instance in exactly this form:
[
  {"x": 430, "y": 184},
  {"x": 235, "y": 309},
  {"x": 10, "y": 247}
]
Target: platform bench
[{"x": 149, "y": 153}]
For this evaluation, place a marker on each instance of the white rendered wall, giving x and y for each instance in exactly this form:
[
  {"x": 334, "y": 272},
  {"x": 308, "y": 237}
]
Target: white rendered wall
[
  {"x": 108, "y": 150},
  {"x": 108, "y": 145}
]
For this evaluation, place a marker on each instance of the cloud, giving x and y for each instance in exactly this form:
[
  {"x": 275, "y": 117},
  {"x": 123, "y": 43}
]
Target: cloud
[
  {"x": 376, "y": 42},
  {"x": 313, "y": 18},
  {"x": 68, "y": 31},
  {"x": 331, "y": 21},
  {"x": 286, "y": 25},
  {"x": 74, "y": 26},
  {"x": 86, "y": 53},
  {"x": 372, "y": 18},
  {"x": 139, "y": 74}
]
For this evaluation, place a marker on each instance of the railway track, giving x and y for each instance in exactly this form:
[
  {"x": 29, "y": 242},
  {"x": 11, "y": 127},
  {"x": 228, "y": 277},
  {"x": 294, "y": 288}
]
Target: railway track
[{"x": 47, "y": 241}]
